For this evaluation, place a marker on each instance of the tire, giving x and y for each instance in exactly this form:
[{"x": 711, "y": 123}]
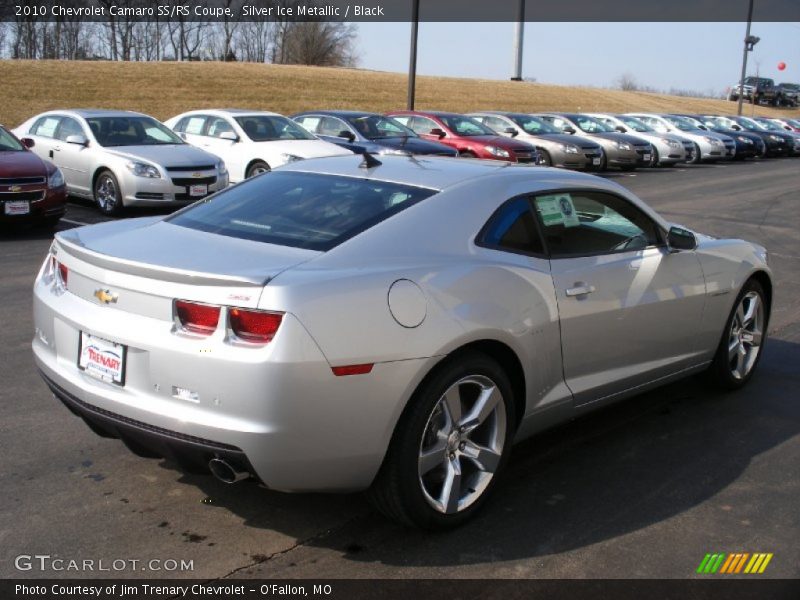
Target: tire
[
  {"x": 467, "y": 154},
  {"x": 736, "y": 358},
  {"x": 655, "y": 158},
  {"x": 107, "y": 194},
  {"x": 429, "y": 456},
  {"x": 697, "y": 156},
  {"x": 546, "y": 160},
  {"x": 256, "y": 168},
  {"x": 603, "y": 163}
]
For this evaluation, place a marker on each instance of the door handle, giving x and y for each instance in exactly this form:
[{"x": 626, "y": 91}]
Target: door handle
[
  {"x": 580, "y": 289},
  {"x": 50, "y": 154}
]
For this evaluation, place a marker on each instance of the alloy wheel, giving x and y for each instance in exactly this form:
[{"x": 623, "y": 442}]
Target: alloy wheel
[{"x": 746, "y": 335}]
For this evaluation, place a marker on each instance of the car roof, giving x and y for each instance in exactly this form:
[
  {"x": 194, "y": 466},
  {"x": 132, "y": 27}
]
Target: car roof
[
  {"x": 230, "y": 112},
  {"x": 338, "y": 113},
  {"x": 88, "y": 113},
  {"x": 432, "y": 172}
]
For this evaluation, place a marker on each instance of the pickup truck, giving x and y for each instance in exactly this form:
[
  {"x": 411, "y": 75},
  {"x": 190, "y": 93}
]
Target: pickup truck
[
  {"x": 758, "y": 90},
  {"x": 789, "y": 94}
]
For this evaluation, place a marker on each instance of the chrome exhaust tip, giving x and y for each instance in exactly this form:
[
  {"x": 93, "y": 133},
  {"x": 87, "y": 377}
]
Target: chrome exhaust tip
[{"x": 223, "y": 471}]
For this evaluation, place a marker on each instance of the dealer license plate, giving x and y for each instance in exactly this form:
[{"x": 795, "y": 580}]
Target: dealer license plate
[
  {"x": 595, "y": 161},
  {"x": 198, "y": 190},
  {"x": 18, "y": 207},
  {"x": 102, "y": 359}
]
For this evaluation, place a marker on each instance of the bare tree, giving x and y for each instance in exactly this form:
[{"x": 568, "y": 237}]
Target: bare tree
[
  {"x": 254, "y": 41},
  {"x": 321, "y": 43},
  {"x": 627, "y": 82}
]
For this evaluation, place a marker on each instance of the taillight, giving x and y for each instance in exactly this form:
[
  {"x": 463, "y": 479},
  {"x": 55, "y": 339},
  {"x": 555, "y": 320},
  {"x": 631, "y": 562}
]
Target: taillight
[
  {"x": 197, "y": 318},
  {"x": 256, "y": 326},
  {"x": 63, "y": 273}
]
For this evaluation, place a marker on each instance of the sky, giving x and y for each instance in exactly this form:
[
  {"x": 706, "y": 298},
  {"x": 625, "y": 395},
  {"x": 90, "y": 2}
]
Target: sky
[{"x": 692, "y": 56}]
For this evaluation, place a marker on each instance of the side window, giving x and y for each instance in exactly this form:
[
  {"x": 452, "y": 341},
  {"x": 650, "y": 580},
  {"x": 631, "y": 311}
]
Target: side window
[
  {"x": 46, "y": 127},
  {"x": 423, "y": 125},
  {"x": 217, "y": 126},
  {"x": 512, "y": 228},
  {"x": 331, "y": 126},
  {"x": 497, "y": 124},
  {"x": 403, "y": 119},
  {"x": 309, "y": 123},
  {"x": 67, "y": 128},
  {"x": 192, "y": 125},
  {"x": 588, "y": 223}
]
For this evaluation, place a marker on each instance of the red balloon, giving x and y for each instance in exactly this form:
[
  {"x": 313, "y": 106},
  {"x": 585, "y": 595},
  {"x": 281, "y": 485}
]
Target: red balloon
[{"x": 781, "y": 66}]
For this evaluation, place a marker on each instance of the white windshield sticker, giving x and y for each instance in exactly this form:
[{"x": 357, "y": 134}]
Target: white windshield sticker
[{"x": 557, "y": 209}]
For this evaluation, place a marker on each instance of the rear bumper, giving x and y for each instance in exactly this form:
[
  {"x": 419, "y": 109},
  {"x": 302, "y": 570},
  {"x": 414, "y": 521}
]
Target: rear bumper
[{"x": 189, "y": 452}]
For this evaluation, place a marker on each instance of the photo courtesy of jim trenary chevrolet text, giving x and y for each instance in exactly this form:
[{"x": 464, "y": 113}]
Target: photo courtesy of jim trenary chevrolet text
[{"x": 350, "y": 299}]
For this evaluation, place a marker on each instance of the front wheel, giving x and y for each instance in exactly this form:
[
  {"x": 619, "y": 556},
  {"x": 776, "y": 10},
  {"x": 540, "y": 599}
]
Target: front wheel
[
  {"x": 655, "y": 158},
  {"x": 449, "y": 445},
  {"x": 256, "y": 168},
  {"x": 742, "y": 340},
  {"x": 467, "y": 154},
  {"x": 697, "y": 156},
  {"x": 107, "y": 194},
  {"x": 545, "y": 160}
]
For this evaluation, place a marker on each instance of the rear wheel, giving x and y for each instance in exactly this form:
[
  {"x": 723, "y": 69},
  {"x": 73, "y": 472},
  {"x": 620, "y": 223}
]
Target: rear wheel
[
  {"x": 743, "y": 338},
  {"x": 256, "y": 168},
  {"x": 107, "y": 194},
  {"x": 449, "y": 446}
]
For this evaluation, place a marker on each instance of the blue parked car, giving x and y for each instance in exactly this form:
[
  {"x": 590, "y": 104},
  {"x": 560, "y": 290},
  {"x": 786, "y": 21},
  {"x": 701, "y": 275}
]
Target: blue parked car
[{"x": 368, "y": 132}]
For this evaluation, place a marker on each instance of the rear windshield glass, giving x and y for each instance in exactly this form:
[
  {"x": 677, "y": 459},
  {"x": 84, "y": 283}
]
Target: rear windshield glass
[{"x": 303, "y": 210}]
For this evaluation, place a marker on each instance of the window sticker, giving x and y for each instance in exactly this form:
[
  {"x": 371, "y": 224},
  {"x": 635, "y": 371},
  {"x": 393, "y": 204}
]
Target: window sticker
[
  {"x": 48, "y": 127},
  {"x": 557, "y": 209}
]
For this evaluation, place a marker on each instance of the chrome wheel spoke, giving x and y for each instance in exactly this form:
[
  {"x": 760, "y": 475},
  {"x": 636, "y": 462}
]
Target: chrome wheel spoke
[
  {"x": 487, "y": 401},
  {"x": 451, "y": 490},
  {"x": 733, "y": 348},
  {"x": 452, "y": 404},
  {"x": 485, "y": 458},
  {"x": 432, "y": 457},
  {"x": 751, "y": 312}
]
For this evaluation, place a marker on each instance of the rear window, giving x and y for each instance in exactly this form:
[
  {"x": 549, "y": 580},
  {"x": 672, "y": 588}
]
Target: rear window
[{"x": 302, "y": 210}]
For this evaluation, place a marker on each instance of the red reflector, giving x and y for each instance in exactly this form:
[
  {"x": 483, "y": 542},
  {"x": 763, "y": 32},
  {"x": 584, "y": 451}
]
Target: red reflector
[
  {"x": 197, "y": 318},
  {"x": 254, "y": 326},
  {"x": 352, "y": 370},
  {"x": 63, "y": 272}
]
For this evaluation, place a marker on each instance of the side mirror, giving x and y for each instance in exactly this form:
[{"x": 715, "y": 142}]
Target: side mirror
[
  {"x": 348, "y": 135},
  {"x": 229, "y": 135},
  {"x": 680, "y": 239},
  {"x": 438, "y": 132},
  {"x": 569, "y": 130},
  {"x": 28, "y": 142},
  {"x": 80, "y": 140},
  {"x": 621, "y": 129},
  {"x": 736, "y": 127},
  {"x": 703, "y": 127},
  {"x": 512, "y": 132}
]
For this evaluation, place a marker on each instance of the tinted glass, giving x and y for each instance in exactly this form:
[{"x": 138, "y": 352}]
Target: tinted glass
[
  {"x": 331, "y": 126},
  {"x": 8, "y": 143},
  {"x": 590, "y": 125},
  {"x": 465, "y": 126},
  {"x": 69, "y": 127},
  {"x": 635, "y": 124},
  {"x": 374, "y": 127},
  {"x": 264, "y": 128},
  {"x": 534, "y": 125},
  {"x": 131, "y": 131},
  {"x": 217, "y": 126},
  {"x": 513, "y": 228},
  {"x": 585, "y": 223},
  {"x": 303, "y": 210}
]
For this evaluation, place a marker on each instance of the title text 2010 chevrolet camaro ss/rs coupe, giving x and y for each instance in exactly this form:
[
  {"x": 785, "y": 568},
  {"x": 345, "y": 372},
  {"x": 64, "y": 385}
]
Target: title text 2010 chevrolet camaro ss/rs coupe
[{"x": 345, "y": 323}]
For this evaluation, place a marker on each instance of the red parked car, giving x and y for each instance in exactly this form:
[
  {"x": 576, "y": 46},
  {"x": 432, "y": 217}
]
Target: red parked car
[
  {"x": 31, "y": 189},
  {"x": 471, "y": 138}
]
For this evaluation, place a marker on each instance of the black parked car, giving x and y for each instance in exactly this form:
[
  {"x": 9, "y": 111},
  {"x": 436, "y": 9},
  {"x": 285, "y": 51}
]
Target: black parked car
[
  {"x": 368, "y": 132},
  {"x": 775, "y": 145}
]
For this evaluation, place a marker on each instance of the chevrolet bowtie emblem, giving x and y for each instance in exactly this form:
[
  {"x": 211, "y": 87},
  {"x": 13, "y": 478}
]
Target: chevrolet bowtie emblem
[
  {"x": 105, "y": 296},
  {"x": 197, "y": 175},
  {"x": 15, "y": 188}
]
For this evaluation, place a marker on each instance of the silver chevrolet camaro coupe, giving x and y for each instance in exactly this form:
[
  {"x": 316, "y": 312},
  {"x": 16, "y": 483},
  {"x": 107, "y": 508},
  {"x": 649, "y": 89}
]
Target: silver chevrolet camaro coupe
[{"x": 349, "y": 323}]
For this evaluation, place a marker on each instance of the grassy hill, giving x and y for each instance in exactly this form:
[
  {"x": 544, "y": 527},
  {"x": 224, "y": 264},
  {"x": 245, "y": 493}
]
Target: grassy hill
[{"x": 165, "y": 89}]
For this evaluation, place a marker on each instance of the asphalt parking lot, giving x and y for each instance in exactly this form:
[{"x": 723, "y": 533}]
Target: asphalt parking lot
[{"x": 643, "y": 489}]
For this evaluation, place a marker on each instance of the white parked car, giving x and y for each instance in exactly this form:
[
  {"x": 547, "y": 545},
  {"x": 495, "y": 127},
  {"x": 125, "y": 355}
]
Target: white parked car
[
  {"x": 668, "y": 148},
  {"x": 250, "y": 142},
  {"x": 121, "y": 158},
  {"x": 709, "y": 146}
]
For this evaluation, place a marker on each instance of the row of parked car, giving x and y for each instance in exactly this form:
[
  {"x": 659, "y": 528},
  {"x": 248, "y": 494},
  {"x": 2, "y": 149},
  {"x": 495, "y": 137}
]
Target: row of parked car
[{"x": 120, "y": 158}]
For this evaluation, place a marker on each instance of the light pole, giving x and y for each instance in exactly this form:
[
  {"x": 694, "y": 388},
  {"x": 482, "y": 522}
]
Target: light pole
[
  {"x": 412, "y": 61},
  {"x": 749, "y": 42},
  {"x": 519, "y": 34}
]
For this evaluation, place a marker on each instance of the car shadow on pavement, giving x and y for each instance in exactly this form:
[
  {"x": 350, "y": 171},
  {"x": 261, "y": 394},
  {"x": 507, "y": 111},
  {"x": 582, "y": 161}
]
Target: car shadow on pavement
[{"x": 611, "y": 473}]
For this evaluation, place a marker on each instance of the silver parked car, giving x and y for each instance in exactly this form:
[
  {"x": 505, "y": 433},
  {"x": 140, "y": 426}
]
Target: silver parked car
[
  {"x": 620, "y": 150},
  {"x": 668, "y": 149},
  {"x": 121, "y": 158},
  {"x": 708, "y": 145},
  {"x": 557, "y": 149},
  {"x": 345, "y": 323}
]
